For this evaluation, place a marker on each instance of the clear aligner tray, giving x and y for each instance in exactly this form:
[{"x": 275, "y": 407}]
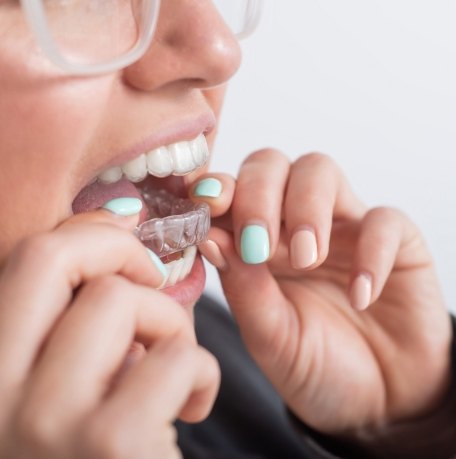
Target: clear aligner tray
[{"x": 174, "y": 223}]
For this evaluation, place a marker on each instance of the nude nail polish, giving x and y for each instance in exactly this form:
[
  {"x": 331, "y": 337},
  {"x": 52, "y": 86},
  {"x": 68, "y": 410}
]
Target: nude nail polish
[
  {"x": 303, "y": 249},
  {"x": 361, "y": 292}
]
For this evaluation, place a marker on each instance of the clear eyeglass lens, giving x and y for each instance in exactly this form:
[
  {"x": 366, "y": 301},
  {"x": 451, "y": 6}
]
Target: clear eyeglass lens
[
  {"x": 96, "y": 31},
  {"x": 234, "y": 13},
  {"x": 114, "y": 26}
]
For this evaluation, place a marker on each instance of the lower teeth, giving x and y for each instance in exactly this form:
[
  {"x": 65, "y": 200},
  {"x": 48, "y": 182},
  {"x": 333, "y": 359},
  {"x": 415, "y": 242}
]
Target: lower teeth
[{"x": 179, "y": 269}]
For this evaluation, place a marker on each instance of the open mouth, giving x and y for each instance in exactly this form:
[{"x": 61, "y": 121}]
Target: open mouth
[{"x": 170, "y": 225}]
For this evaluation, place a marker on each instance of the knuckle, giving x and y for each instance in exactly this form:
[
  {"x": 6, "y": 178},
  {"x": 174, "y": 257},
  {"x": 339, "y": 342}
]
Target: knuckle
[
  {"x": 180, "y": 351},
  {"x": 40, "y": 247},
  {"x": 111, "y": 288},
  {"x": 184, "y": 355},
  {"x": 319, "y": 159},
  {"x": 110, "y": 232},
  {"x": 166, "y": 446},
  {"x": 396, "y": 222},
  {"x": 267, "y": 155},
  {"x": 106, "y": 440},
  {"x": 389, "y": 215},
  {"x": 172, "y": 435},
  {"x": 321, "y": 165},
  {"x": 214, "y": 372},
  {"x": 35, "y": 431}
]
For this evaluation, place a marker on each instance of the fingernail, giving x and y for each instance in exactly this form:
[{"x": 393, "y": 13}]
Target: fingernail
[
  {"x": 211, "y": 251},
  {"x": 303, "y": 249},
  {"x": 124, "y": 206},
  {"x": 208, "y": 188},
  {"x": 361, "y": 292},
  {"x": 158, "y": 263},
  {"x": 254, "y": 244}
]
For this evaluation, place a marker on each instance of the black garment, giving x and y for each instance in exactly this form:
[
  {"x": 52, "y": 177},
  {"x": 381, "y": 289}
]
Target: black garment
[{"x": 249, "y": 419}]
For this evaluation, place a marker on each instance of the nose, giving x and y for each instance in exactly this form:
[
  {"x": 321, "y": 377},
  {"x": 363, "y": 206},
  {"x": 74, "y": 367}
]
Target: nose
[{"x": 192, "y": 46}]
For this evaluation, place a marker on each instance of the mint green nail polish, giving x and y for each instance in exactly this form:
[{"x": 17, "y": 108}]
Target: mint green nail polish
[
  {"x": 124, "y": 206},
  {"x": 254, "y": 244},
  {"x": 157, "y": 262},
  {"x": 208, "y": 188}
]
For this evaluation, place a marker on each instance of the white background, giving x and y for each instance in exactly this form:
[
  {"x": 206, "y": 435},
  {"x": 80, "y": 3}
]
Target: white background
[{"x": 370, "y": 82}]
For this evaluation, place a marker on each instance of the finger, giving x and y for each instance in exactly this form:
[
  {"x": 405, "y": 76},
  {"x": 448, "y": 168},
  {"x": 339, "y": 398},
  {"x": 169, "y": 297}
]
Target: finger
[
  {"x": 385, "y": 235},
  {"x": 90, "y": 344},
  {"x": 99, "y": 246},
  {"x": 128, "y": 222},
  {"x": 257, "y": 205},
  {"x": 252, "y": 292},
  {"x": 173, "y": 379},
  {"x": 211, "y": 251},
  {"x": 38, "y": 281},
  {"x": 317, "y": 193},
  {"x": 216, "y": 190},
  {"x": 124, "y": 211}
]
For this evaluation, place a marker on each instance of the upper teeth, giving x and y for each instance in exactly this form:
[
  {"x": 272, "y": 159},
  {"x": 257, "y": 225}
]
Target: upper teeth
[{"x": 176, "y": 159}]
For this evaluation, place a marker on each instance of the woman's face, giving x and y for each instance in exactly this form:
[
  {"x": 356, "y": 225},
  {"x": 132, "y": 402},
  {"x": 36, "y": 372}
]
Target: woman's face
[{"x": 57, "y": 133}]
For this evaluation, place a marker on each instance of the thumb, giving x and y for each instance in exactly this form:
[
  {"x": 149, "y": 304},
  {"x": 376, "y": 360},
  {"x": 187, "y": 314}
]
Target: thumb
[{"x": 123, "y": 212}]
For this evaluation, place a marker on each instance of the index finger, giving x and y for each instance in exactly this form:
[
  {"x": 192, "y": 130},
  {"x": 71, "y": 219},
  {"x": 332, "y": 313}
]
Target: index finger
[
  {"x": 257, "y": 204},
  {"x": 174, "y": 379},
  {"x": 39, "y": 279}
]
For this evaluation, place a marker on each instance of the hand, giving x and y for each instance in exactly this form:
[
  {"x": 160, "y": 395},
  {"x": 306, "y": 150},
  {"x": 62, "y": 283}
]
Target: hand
[
  {"x": 337, "y": 367},
  {"x": 95, "y": 362}
]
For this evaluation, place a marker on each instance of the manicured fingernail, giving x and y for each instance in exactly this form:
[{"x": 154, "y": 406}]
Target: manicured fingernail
[
  {"x": 211, "y": 251},
  {"x": 254, "y": 244},
  {"x": 361, "y": 292},
  {"x": 124, "y": 206},
  {"x": 303, "y": 249},
  {"x": 158, "y": 263},
  {"x": 208, "y": 188}
]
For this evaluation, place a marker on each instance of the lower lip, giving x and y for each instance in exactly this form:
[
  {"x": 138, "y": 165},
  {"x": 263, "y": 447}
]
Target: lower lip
[{"x": 188, "y": 291}]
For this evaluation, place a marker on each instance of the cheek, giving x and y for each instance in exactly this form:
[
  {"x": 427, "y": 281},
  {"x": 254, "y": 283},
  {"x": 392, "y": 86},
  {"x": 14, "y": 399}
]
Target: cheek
[
  {"x": 45, "y": 130},
  {"x": 46, "y": 123}
]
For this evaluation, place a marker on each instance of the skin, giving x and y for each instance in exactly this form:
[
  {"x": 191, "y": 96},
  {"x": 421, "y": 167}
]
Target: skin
[
  {"x": 299, "y": 324},
  {"x": 391, "y": 361}
]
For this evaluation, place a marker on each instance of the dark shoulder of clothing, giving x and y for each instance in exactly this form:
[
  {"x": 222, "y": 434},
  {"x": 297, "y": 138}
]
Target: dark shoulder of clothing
[{"x": 249, "y": 420}]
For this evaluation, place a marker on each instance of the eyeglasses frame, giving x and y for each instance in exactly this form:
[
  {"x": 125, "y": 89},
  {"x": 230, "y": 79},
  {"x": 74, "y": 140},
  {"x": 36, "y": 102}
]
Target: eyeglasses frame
[{"x": 36, "y": 17}]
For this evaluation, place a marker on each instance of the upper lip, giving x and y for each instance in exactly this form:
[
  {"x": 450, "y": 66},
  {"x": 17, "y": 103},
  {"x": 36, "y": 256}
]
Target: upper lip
[{"x": 184, "y": 130}]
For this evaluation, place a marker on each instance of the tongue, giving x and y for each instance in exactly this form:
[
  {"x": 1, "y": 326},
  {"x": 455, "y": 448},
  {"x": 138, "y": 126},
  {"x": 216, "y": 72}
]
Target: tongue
[{"x": 94, "y": 196}]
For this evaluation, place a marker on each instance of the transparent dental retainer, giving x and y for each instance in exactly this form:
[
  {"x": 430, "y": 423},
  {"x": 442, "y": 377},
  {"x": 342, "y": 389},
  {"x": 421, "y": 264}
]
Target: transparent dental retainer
[{"x": 174, "y": 223}]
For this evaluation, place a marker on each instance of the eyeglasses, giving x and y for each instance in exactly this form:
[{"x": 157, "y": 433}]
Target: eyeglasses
[{"x": 88, "y": 37}]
